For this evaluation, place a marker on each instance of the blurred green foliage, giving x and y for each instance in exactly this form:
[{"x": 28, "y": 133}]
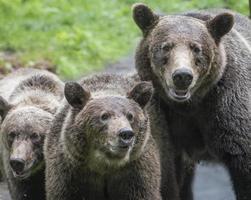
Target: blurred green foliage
[{"x": 79, "y": 36}]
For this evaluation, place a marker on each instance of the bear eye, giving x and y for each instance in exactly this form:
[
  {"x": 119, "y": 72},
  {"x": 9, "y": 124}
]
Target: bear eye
[
  {"x": 11, "y": 136},
  {"x": 197, "y": 62},
  {"x": 164, "y": 61},
  {"x": 34, "y": 137},
  {"x": 104, "y": 116},
  {"x": 130, "y": 117},
  {"x": 166, "y": 46},
  {"x": 195, "y": 48}
]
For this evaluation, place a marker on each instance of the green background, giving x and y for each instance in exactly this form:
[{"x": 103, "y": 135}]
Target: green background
[{"x": 75, "y": 37}]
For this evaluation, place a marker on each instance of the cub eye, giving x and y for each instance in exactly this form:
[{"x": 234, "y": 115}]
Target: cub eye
[
  {"x": 12, "y": 135},
  {"x": 104, "y": 116},
  {"x": 130, "y": 117},
  {"x": 195, "y": 48},
  {"x": 35, "y": 137},
  {"x": 164, "y": 61},
  {"x": 197, "y": 62}
]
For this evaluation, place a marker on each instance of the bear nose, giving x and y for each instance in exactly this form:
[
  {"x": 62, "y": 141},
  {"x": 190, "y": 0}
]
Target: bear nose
[
  {"x": 17, "y": 165},
  {"x": 125, "y": 137},
  {"x": 182, "y": 78}
]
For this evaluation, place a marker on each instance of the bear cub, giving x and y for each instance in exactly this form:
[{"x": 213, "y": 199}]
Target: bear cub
[
  {"x": 29, "y": 99},
  {"x": 100, "y": 146}
]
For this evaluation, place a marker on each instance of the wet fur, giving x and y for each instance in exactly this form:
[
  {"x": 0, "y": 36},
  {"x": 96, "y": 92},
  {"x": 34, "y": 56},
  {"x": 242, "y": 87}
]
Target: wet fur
[
  {"x": 215, "y": 123},
  {"x": 68, "y": 175},
  {"x": 33, "y": 96}
]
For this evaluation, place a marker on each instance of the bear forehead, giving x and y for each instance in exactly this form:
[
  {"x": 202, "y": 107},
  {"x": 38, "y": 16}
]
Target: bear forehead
[
  {"x": 111, "y": 103},
  {"x": 28, "y": 118},
  {"x": 30, "y": 113},
  {"x": 26, "y": 127},
  {"x": 180, "y": 27}
]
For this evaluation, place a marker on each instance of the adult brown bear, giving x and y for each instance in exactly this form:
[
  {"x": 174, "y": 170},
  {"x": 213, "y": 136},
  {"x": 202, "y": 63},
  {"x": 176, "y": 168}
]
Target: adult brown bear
[{"x": 199, "y": 63}]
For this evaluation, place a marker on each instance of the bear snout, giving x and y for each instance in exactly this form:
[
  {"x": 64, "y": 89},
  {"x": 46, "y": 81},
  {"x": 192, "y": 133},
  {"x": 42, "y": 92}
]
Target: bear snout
[
  {"x": 126, "y": 136},
  {"x": 182, "y": 78},
  {"x": 17, "y": 165}
]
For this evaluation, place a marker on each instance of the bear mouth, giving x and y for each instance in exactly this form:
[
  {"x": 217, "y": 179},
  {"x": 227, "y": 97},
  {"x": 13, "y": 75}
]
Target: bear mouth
[
  {"x": 115, "y": 152},
  {"x": 179, "y": 95},
  {"x": 22, "y": 175},
  {"x": 27, "y": 172},
  {"x": 119, "y": 150}
]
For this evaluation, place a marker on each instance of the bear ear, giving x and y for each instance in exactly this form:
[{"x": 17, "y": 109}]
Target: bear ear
[
  {"x": 141, "y": 93},
  {"x": 220, "y": 25},
  {"x": 4, "y": 107},
  {"x": 76, "y": 95},
  {"x": 143, "y": 16}
]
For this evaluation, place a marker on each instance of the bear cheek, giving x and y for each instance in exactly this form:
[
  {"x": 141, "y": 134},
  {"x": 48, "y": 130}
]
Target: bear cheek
[
  {"x": 161, "y": 70},
  {"x": 203, "y": 68}
]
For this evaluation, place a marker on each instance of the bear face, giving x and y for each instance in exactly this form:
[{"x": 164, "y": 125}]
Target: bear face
[
  {"x": 184, "y": 54},
  {"x": 106, "y": 131},
  {"x": 23, "y": 131}
]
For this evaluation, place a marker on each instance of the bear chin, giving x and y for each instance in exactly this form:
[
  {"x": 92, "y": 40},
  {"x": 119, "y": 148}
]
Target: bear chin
[
  {"x": 112, "y": 159},
  {"x": 179, "y": 95}
]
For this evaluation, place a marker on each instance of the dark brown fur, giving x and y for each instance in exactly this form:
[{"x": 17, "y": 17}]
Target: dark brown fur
[
  {"x": 214, "y": 121},
  {"x": 73, "y": 169}
]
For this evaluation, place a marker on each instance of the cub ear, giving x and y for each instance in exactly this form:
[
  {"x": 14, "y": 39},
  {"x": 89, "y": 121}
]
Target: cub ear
[
  {"x": 220, "y": 25},
  {"x": 76, "y": 95},
  {"x": 141, "y": 93},
  {"x": 143, "y": 16},
  {"x": 4, "y": 107}
]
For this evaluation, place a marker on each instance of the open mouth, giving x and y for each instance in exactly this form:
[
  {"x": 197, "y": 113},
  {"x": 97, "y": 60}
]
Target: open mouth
[
  {"x": 21, "y": 175},
  {"x": 26, "y": 173},
  {"x": 180, "y": 95}
]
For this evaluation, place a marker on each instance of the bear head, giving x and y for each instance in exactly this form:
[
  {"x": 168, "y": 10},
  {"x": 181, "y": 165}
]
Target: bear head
[
  {"x": 23, "y": 130},
  {"x": 182, "y": 55},
  {"x": 106, "y": 131}
]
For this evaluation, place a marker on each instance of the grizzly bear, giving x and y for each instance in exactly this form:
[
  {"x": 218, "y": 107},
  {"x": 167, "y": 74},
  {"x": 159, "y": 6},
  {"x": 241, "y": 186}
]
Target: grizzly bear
[
  {"x": 199, "y": 63},
  {"x": 100, "y": 145},
  {"x": 28, "y": 102}
]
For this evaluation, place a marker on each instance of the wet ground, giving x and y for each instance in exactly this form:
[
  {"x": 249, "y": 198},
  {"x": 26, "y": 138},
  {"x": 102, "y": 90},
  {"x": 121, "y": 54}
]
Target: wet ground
[{"x": 211, "y": 181}]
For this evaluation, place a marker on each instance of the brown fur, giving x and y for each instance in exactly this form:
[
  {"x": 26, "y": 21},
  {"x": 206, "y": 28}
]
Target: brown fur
[
  {"x": 29, "y": 99},
  {"x": 212, "y": 121},
  {"x": 75, "y": 166}
]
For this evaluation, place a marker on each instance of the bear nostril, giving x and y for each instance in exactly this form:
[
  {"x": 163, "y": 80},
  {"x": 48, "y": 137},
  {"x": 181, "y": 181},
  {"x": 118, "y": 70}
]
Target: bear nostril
[
  {"x": 182, "y": 78},
  {"x": 17, "y": 165},
  {"x": 126, "y": 136}
]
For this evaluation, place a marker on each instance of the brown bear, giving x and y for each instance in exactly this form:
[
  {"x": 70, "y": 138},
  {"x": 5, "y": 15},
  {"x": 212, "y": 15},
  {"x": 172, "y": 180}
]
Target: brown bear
[
  {"x": 100, "y": 146},
  {"x": 29, "y": 99},
  {"x": 199, "y": 63}
]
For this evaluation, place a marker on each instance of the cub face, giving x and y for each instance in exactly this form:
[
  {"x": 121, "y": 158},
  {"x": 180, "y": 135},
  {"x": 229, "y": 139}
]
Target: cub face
[
  {"x": 184, "y": 52},
  {"x": 109, "y": 130},
  {"x": 22, "y": 133}
]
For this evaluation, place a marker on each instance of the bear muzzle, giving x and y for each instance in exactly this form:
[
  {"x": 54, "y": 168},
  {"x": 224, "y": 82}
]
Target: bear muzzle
[{"x": 126, "y": 137}]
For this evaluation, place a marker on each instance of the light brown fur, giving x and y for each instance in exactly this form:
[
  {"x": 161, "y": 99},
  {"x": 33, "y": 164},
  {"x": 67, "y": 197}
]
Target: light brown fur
[
  {"x": 29, "y": 99},
  {"x": 80, "y": 159}
]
